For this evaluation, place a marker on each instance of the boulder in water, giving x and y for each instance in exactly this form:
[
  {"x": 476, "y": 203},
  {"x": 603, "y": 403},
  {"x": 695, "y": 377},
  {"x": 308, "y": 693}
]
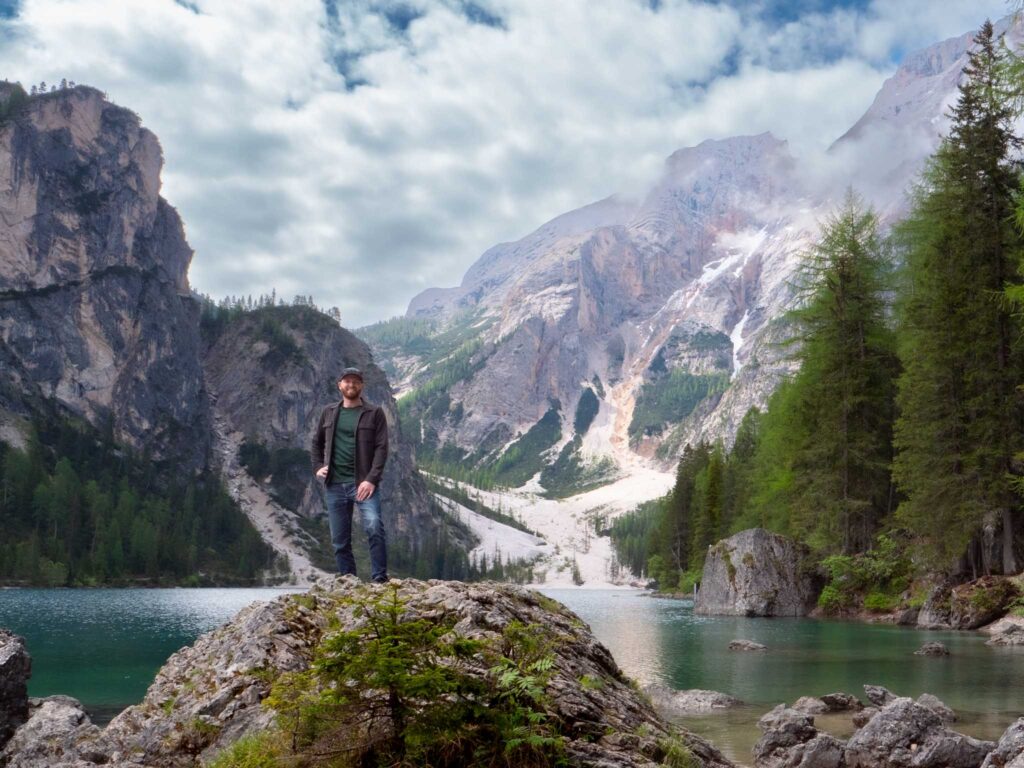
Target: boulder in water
[
  {"x": 755, "y": 573},
  {"x": 932, "y": 649}
]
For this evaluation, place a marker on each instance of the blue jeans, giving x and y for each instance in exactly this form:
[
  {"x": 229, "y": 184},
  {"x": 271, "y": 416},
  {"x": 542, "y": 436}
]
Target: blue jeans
[{"x": 340, "y": 498}]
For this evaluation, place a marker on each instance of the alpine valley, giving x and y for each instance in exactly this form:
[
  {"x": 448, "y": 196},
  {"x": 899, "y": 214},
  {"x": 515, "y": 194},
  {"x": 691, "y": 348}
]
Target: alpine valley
[{"x": 574, "y": 364}]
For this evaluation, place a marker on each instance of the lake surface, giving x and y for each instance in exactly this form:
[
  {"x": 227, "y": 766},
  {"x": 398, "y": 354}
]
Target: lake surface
[{"x": 103, "y": 646}]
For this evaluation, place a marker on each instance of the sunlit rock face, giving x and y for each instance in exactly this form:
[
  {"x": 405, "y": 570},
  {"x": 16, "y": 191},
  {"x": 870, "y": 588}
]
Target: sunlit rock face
[{"x": 95, "y": 311}]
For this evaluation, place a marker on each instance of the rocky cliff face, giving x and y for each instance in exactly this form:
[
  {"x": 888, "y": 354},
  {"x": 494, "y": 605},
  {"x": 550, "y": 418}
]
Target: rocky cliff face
[
  {"x": 641, "y": 301},
  {"x": 95, "y": 311}
]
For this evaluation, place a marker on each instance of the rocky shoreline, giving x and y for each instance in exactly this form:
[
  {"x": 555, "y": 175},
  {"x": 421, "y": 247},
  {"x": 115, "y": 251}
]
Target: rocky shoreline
[{"x": 212, "y": 694}]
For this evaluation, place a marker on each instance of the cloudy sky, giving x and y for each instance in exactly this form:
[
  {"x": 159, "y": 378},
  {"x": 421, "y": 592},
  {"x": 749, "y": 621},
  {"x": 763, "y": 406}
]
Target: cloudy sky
[{"x": 363, "y": 150}]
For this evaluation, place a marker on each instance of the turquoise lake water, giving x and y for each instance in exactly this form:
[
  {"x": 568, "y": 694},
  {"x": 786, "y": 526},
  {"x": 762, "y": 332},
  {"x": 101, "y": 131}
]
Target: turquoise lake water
[{"x": 104, "y": 646}]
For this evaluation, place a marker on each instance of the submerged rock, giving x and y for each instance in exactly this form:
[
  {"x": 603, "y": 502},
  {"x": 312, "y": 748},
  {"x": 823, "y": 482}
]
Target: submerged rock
[
  {"x": 15, "y": 669},
  {"x": 932, "y": 649},
  {"x": 755, "y": 573},
  {"x": 212, "y": 693},
  {"x": 694, "y": 700},
  {"x": 746, "y": 645}
]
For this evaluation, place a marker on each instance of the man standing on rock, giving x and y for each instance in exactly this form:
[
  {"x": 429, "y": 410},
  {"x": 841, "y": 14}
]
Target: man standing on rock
[{"x": 348, "y": 452}]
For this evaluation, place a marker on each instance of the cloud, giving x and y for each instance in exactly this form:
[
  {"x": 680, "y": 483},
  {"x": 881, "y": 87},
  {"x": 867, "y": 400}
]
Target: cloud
[{"x": 363, "y": 150}]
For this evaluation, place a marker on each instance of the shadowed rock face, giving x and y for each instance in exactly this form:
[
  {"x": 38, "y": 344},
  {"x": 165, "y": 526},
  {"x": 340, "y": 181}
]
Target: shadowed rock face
[
  {"x": 755, "y": 573},
  {"x": 209, "y": 695},
  {"x": 95, "y": 311},
  {"x": 15, "y": 669}
]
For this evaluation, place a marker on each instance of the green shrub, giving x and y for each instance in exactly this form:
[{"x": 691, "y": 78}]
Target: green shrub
[
  {"x": 880, "y": 602},
  {"x": 258, "y": 750},
  {"x": 401, "y": 692},
  {"x": 832, "y": 600}
]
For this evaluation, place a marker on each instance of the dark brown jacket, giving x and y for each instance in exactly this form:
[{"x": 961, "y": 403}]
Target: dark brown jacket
[{"x": 371, "y": 442}]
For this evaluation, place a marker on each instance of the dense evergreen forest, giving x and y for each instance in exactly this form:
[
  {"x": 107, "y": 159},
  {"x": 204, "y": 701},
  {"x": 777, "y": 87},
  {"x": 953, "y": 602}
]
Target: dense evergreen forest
[
  {"x": 77, "y": 510},
  {"x": 895, "y": 450}
]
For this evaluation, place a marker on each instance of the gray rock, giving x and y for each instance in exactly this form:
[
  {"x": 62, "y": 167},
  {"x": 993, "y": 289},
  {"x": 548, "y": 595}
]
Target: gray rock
[
  {"x": 967, "y": 606},
  {"x": 842, "y": 702},
  {"x": 878, "y": 695},
  {"x": 905, "y": 734},
  {"x": 1012, "y": 634},
  {"x": 932, "y": 649},
  {"x": 933, "y": 703},
  {"x": 1009, "y": 751},
  {"x": 810, "y": 705},
  {"x": 57, "y": 731},
  {"x": 755, "y": 573},
  {"x": 863, "y": 717},
  {"x": 15, "y": 670},
  {"x": 694, "y": 700},
  {"x": 790, "y": 740},
  {"x": 746, "y": 645}
]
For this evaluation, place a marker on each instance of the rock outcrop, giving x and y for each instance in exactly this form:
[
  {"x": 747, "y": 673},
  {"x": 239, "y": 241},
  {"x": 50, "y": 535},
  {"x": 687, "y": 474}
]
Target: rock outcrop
[
  {"x": 95, "y": 308},
  {"x": 15, "y": 669},
  {"x": 209, "y": 695},
  {"x": 755, "y": 573},
  {"x": 905, "y": 734},
  {"x": 790, "y": 740},
  {"x": 967, "y": 606}
]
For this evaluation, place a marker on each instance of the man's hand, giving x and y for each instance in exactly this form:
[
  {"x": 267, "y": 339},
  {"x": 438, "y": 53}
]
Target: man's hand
[
  {"x": 321, "y": 474},
  {"x": 365, "y": 490}
]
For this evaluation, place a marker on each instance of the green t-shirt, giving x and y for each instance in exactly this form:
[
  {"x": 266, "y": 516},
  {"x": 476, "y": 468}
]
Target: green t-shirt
[{"x": 343, "y": 459}]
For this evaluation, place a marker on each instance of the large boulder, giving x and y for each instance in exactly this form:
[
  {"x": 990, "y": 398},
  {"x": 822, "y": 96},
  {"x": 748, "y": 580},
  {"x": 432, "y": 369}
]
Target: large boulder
[
  {"x": 15, "y": 669},
  {"x": 905, "y": 734},
  {"x": 755, "y": 573},
  {"x": 1009, "y": 752},
  {"x": 58, "y": 732},
  {"x": 213, "y": 693}
]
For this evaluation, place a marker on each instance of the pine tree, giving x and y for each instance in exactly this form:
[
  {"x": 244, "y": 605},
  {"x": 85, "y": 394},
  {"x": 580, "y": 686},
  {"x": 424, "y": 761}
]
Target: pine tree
[
  {"x": 960, "y": 421},
  {"x": 821, "y": 469}
]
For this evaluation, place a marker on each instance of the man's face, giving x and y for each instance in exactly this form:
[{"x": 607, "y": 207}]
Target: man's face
[{"x": 351, "y": 387}]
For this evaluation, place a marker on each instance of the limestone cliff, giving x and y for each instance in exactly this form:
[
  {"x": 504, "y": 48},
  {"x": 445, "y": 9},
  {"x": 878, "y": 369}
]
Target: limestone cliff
[{"x": 95, "y": 310}]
